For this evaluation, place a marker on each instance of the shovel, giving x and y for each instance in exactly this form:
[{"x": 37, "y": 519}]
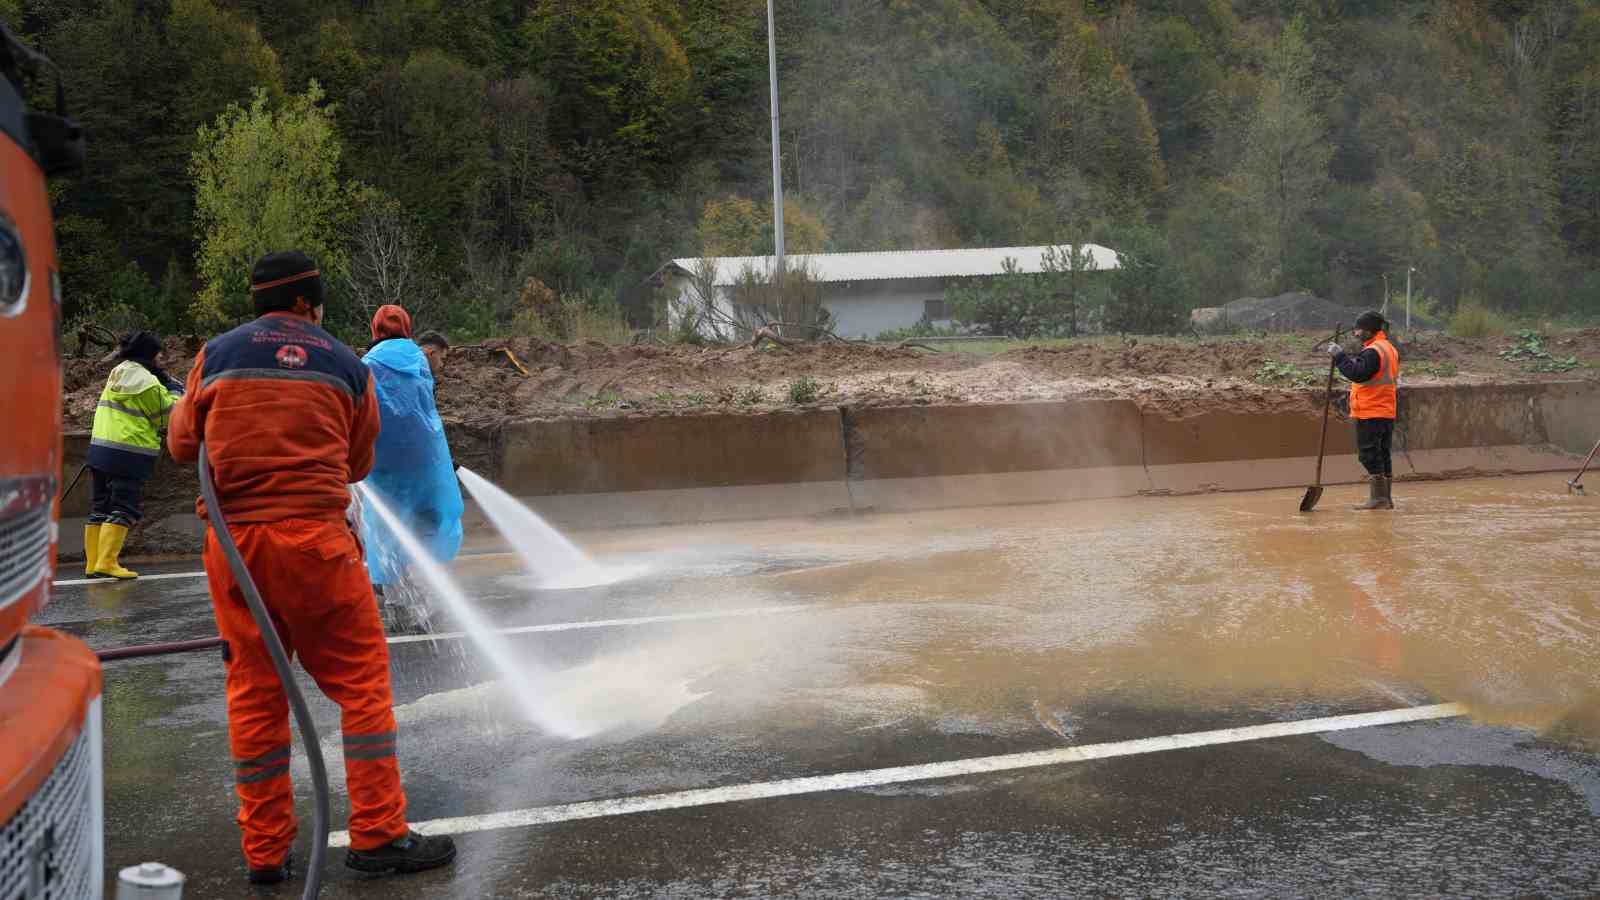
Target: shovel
[
  {"x": 1575, "y": 486},
  {"x": 1314, "y": 492}
]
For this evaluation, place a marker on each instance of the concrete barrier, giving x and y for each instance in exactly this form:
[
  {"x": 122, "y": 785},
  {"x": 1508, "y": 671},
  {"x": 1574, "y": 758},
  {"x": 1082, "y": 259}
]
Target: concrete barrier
[
  {"x": 923, "y": 457},
  {"x": 930, "y": 456},
  {"x": 594, "y": 473}
]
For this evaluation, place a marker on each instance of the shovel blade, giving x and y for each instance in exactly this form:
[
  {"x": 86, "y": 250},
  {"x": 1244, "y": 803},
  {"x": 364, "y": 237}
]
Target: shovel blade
[{"x": 1309, "y": 501}]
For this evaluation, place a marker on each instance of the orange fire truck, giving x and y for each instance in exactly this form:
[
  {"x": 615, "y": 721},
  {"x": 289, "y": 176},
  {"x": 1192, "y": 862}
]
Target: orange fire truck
[{"x": 51, "y": 808}]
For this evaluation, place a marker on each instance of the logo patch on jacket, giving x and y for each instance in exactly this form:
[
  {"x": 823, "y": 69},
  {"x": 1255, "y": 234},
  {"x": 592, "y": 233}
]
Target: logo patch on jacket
[{"x": 291, "y": 356}]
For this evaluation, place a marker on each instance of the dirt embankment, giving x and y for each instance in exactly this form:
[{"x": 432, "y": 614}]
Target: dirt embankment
[{"x": 482, "y": 387}]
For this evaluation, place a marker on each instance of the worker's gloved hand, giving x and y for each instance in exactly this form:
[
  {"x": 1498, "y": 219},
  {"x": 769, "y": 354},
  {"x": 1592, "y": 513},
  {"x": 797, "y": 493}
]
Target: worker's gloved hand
[{"x": 1334, "y": 349}]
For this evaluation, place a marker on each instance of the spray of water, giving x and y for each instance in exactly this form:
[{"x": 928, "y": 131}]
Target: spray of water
[
  {"x": 517, "y": 675},
  {"x": 556, "y": 562}
]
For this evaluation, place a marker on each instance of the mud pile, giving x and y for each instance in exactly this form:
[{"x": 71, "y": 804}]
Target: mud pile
[
  {"x": 1296, "y": 312},
  {"x": 485, "y": 385}
]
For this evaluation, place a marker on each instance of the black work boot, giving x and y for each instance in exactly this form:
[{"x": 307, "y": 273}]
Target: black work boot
[
  {"x": 277, "y": 874},
  {"x": 403, "y": 856},
  {"x": 1378, "y": 495}
]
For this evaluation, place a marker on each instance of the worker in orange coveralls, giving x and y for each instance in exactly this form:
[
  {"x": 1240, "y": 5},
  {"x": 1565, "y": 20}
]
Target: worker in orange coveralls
[{"x": 289, "y": 417}]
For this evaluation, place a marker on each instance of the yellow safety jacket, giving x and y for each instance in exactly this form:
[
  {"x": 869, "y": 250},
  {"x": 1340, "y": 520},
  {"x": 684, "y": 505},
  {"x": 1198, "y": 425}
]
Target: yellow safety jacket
[{"x": 133, "y": 409}]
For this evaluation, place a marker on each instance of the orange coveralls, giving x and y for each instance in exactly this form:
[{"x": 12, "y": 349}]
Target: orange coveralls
[{"x": 290, "y": 418}]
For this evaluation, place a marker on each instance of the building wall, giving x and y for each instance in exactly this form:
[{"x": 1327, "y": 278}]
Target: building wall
[
  {"x": 865, "y": 309},
  {"x": 862, "y": 309}
]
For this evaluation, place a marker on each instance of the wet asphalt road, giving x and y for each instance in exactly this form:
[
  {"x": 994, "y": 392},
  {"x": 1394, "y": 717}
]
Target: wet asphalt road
[{"x": 884, "y": 641}]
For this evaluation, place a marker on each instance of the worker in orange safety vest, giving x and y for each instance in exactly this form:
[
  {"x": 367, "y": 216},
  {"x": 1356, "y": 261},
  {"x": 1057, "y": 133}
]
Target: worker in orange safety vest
[
  {"x": 1374, "y": 376},
  {"x": 290, "y": 418}
]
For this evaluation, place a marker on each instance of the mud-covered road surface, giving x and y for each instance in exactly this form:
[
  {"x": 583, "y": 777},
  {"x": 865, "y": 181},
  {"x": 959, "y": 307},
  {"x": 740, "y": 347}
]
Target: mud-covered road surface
[{"x": 739, "y": 657}]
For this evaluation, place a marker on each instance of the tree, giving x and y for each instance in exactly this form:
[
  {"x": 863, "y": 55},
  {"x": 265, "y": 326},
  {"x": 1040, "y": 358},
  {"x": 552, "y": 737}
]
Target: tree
[
  {"x": 142, "y": 78},
  {"x": 1286, "y": 155},
  {"x": 621, "y": 76},
  {"x": 1100, "y": 126},
  {"x": 730, "y": 227},
  {"x": 1049, "y": 303},
  {"x": 1014, "y": 304},
  {"x": 422, "y": 126},
  {"x": 265, "y": 180},
  {"x": 387, "y": 261},
  {"x": 734, "y": 226},
  {"x": 1066, "y": 278},
  {"x": 1150, "y": 293},
  {"x": 790, "y": 301}
]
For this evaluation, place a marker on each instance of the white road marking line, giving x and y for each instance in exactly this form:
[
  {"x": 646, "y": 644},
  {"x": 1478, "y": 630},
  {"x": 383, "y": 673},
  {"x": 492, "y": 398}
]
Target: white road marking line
[
  {"x": 201, "y": 574},
  {"x": 983, "y": 765},
  {"x": 612, "y": 623},
  {"x": 168, "y": 575}
]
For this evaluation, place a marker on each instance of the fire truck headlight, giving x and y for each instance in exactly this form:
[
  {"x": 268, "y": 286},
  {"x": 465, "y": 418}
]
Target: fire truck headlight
[{"x": 13, "y": 269}]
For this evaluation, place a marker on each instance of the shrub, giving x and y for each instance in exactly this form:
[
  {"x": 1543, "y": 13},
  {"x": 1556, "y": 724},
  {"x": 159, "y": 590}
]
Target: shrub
[
  {"x": 567, "y": 319},
  {"x": 803, "y": 390},
  {"x": 1474, "y": 320}
]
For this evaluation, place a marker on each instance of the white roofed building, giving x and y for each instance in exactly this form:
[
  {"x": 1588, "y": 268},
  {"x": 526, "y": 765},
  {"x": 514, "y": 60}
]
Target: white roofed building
[{"x": 866, "y": 293}]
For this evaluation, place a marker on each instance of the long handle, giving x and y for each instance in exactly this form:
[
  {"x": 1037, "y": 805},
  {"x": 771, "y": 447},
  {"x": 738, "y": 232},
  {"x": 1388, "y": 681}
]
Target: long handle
[
  {"x": 1327, "y": 406},
  {"x": 1586, "y": 462}
]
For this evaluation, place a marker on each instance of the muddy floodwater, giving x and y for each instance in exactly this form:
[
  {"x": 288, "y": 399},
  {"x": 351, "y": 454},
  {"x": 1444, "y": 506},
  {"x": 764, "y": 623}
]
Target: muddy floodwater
[{"x": 1481, "y": 592}]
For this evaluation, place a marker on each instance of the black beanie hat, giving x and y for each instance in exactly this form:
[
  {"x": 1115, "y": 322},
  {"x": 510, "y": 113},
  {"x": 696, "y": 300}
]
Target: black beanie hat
[
  {"x": 1371, "y": 320},
  {"x": 279, "y": 279},
  {"x": 141, "y": 346}
]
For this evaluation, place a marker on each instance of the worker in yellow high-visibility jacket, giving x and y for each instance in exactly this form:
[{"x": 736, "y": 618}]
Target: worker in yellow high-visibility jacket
[{"x": 123, "y": 449}]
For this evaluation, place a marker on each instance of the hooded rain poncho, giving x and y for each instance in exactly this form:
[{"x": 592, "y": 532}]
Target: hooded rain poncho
[{"x": 412, "y": 472}]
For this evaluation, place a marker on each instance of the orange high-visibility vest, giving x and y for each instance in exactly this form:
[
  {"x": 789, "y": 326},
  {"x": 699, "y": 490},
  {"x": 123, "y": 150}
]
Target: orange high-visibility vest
[{"x": 1375, "y": 398}]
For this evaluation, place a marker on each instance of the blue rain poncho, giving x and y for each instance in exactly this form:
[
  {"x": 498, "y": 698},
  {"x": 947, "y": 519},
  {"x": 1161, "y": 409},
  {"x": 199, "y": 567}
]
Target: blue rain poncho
[{"x": 412, "y": 470}]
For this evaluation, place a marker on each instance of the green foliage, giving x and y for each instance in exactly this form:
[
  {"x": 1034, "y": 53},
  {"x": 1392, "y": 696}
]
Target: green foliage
[
  {"x": 566, "y": 319},
  {"x": 621, "y": 75},
  {"x": 1284, "y": 374},
  {"x": 1048, "y": 303},
  {"x": 607, "y": 398},
  {"x": 790, "y": 301},
  {"x": 734, "y": 226},
  {"x": 265, "y": 180},
  {"x": 1530, "y": 349},
  {"x": 1014, "y": 304},
  {"x": 803, "y": 390},
  {"x": 1272, "y": 146},
  {"x": 923, "y": 329},
  {"x": 158, "y": 307},
  {"x": 1150, "y": 293},
  {"x": 1284, "y": 167},
  {"x": 1474, "y": 320},
  {"x": 1429, "y": 369}
]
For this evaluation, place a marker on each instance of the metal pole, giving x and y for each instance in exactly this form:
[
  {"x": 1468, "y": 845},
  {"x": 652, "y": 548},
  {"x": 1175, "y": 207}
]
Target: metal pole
[
  {"x": 777, "y": 166},
  {"x": 1409, "y": 270}
]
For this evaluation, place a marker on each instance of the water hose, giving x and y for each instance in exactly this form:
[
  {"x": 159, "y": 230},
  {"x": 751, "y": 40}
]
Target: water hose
[
  {"x": 144, "y": 650},
  {"x": 280, "y": 662}
]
